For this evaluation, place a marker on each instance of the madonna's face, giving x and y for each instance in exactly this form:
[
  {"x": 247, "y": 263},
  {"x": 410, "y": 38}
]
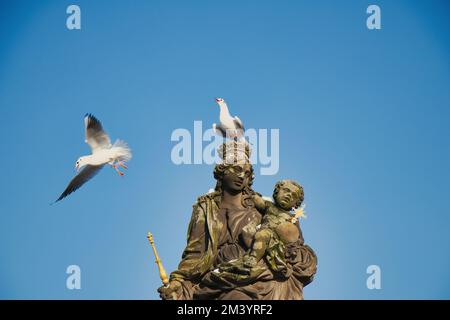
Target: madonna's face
[{"x": 236, "y": 177}]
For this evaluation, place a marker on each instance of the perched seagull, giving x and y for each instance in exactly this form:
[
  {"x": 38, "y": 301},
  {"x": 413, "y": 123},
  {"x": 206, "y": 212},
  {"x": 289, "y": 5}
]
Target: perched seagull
[
  {"x": 229, "y": 126},
  {"x": 103, "y": 152}
]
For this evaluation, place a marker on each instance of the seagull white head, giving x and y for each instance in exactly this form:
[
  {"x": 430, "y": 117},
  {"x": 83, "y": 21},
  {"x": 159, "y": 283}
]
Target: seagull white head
[
  {"x": 221, "y": 102},
  {"x": 81, "y": 162}
]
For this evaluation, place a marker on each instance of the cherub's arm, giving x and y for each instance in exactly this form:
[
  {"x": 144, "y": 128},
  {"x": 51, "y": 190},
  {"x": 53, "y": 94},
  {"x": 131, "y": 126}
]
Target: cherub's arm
[{"x": 260, "y": 204}]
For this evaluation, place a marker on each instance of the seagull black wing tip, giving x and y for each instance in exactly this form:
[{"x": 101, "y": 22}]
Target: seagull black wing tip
[
  {"x": 62, "y": 196},
  {"x": 92, "y": 120},
  {"x": 90, "y": 116}
]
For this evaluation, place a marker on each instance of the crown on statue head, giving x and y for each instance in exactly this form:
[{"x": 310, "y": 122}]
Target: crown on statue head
[{"x": 235, "y": 152}]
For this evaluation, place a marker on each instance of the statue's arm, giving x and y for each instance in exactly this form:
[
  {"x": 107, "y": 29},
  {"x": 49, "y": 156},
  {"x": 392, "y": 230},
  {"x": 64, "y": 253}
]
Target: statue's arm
[
  {"x": 302, "y": 259},
  {"x": 300, "y": 236},
  {"x": 260, "y": 204},
  {"x": 181, "y": 280},
  {"x": 195, "y": 247},
  {"x": 305, "y": 264}
]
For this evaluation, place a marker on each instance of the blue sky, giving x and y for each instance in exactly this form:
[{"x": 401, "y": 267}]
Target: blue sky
[{"x": 363, "y": 118}]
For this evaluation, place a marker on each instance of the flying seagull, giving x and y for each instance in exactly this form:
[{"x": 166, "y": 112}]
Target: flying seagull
[
  {"x": 229, "y": 126},
  {"x": 103, "y": 152}
]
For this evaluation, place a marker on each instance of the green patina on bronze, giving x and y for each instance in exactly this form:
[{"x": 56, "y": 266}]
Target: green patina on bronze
[
  {"x": 200, "y": 250},
  {"x": 275, "y": 232},
  {"x": 228, "y": 257}
]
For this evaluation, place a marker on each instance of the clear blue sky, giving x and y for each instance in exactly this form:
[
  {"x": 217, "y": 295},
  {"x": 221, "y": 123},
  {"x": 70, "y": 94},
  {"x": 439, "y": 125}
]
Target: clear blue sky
[{"x": 363, "y": 118}]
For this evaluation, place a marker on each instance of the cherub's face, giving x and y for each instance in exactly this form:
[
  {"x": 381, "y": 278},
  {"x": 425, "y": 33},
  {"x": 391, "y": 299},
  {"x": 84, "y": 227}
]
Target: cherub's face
[{"x": 287, "y": 196}]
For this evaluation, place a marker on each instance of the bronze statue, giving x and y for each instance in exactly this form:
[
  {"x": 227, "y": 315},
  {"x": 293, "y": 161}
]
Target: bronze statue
[{"x": 240, "y": 246}]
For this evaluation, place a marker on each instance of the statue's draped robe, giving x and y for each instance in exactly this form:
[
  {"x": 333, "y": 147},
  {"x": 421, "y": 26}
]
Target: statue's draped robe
[{"x": 216, "y": 236}]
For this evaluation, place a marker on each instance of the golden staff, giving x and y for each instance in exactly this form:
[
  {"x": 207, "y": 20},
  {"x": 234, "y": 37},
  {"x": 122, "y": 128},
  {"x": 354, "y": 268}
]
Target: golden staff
[{"x": 162, "y": 272}]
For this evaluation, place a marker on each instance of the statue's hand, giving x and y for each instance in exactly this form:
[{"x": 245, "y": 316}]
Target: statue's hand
[{"x": 171, "y": 292}]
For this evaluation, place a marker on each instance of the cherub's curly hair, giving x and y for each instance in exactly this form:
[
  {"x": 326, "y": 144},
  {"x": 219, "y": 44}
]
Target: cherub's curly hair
[
  {"x": 247, "y": 192},
  {"x": 300, "y": 188}
]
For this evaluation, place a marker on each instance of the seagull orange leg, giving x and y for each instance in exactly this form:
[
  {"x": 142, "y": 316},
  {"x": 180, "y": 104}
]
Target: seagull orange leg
[
  {"x": 122, "y": 164},
  {"x": 117, "y": 170}
]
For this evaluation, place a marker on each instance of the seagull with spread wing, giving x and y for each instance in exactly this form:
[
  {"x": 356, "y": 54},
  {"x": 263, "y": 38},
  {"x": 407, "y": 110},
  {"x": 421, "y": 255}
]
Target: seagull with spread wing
[
  {"x": 103, "y": 152},
  {"x": 231, "y": 127}
]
